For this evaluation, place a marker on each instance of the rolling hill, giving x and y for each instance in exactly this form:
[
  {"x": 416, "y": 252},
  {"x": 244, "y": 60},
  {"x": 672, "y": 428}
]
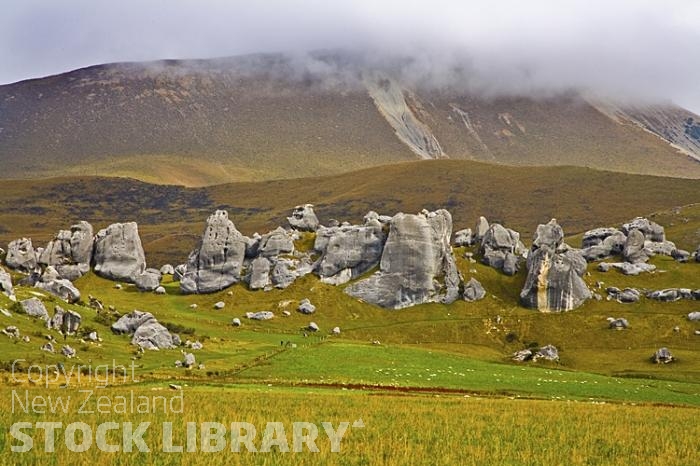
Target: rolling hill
[
  {"x": 171, "y": 218},
  {"x": 265, "y": 117}
]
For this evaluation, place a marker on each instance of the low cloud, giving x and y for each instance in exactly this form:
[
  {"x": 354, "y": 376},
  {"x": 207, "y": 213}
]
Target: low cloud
[{"x": 634, "y": 49}]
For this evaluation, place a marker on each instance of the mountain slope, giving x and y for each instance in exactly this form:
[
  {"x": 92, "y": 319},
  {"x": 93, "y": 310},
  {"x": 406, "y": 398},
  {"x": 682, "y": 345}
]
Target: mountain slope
[
  {"x": 171, "y": 218},
  {"x": 268, "y": 117}
]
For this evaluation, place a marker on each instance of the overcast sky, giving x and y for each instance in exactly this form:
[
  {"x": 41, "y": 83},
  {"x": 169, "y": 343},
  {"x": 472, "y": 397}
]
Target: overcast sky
[{"x": 634, "y": 48}]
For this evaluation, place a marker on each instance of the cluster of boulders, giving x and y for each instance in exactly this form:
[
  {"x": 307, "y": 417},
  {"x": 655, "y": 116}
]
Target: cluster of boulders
[
  {"x": 635, "y": 242},
  {"x": 548, "y": 353}
]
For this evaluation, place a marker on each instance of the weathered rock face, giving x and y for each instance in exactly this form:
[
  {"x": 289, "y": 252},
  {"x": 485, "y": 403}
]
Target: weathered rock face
[
  {"x": 21, "y": 255},
  {"x": 554, "y": 281},
  {"x": 61, "y": 288},
  {"x": 118, "y": 252},
  {"x": 73, "y": 272},
  {"x": 216, "y": 263},
  {"x": 275, "y": 243},
  {"x": 348, "y": 251},
  {"x": 650, "y": 230},
  {"x": 303, "y": 218},
  {"x": 602, "y": 243},
  {"x": 634, "y": 251},
  {"x": 417, "y": 254},
  {"x": 473, "y": 291},
  {"x": 147, "y": 332},
  {"x": 70, "y": 247},
  {"x": 259, "y": 273},
  {"x": 501, "y": 248},
  {"x": 6, "y": 283},
  {"x": 33, "y": 307},
  {"x": 149, "y": 280}
]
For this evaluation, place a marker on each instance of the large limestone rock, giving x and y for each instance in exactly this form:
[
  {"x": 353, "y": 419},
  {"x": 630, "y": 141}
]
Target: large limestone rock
[
  {"x": 417, "y": 264},
  {"x": 501, "y": 248},
  {"x": 118, "y": 252},
  {"x": 70, "y": 247},
  {"x": 464, "y": 238},
  {"x": 61, "y": 288},
  {"x": 634, "y": 251},
  {"x": 652, "y": 231},
  {"x": 21, "y": 255},
  {"x": 303, "y": 218},
  {"x": 216, "y": 263},
  {"x": 349, "y": 251},
  {"x": 554, "y": 281},
  {"x": 275, "y": 243}
]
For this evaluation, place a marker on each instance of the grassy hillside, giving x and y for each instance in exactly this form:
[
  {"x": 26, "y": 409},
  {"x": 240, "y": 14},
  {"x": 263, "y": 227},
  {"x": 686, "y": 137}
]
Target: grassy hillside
[
  {"x": 171, "y": 218},
  {"x": 254, "y": 118}
]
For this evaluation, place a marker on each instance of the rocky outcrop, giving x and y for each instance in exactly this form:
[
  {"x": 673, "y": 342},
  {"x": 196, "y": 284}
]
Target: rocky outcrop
[
  {"x": 217, "y": 261},
  {"x": 627, "y": 295},
  {"x": 554, "y": 281},
  {"x": 501, "y": 248},
  {"x": 482, "y": 226},
  {"x": 147, "y": 332},
  {"x": 21, "y": 255},
  {"x": 473, "y": 291},
  {"x": 602, "y": 243},
  {"x": 417, "y": 264},
  {"x": 634, "y": 251},
  {"x": 118, "y": 252},
  {"x": 70, "y": 247},
  {"x": 303, "y": 218},
  {"x": 61, "y": 288},
  {"x": 349, "y": 251}
]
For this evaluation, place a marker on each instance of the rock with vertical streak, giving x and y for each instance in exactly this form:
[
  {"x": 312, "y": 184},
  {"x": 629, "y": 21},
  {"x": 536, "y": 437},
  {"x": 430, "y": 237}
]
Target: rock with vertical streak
[
  {"x": 217, "y": 261},
  {"x": 554, "y": 281},
  {"x": 417, "y": 264}
]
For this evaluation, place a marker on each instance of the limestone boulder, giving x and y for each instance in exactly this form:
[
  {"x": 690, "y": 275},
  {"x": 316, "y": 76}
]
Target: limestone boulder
[
  {"x": 216, "y": 263},
  {"x": 650, "y": 230},
  {"x": 303, "y": 218},
  {"x": 21, "y": 255},
  {"x": 473, "y": 291},
  {"x": 554, "y": 281},
  {"x": 149, "y": 280},
  {"x": 33, "y": 307},
  {"x": 500, "y": 248},
  {"x": 275, "y": 243},
  {"x": 118, "y": 252},
  {"x": 417, "y": 264},
  {"x": 634, "y": 251}
]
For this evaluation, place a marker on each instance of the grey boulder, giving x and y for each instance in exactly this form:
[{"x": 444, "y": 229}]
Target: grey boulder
[
  {"x": 275, "y": 243},
  {"x": 634, "y": 251},
  {"x": 602, "y": 243},
  {"x": 118, "y": 252},
  {"x": 65, "y": 321},
  {"x": 500, "y": 248},
  {"x": 473, "y": 291},
  {"x": 260, "y": 315},
  {"x": 554, "y": 281},
  {"x": 305, "y": 307},
  {"x": 147, "y": 332},
  {"x": 464, "y": 238},
  {"x": 167, "y": 269},
  {"x": 482, "y": 226},
  {"x": 6, "y": 283},
  {"x": 259, "y": 277},
  {"x": 417, "y": 264},
  {"x": 149, "y": 280},
  {"x": 33, "y": 307},
  {"x": 21, "y": 255},
  {"x": 303, "y": 218},
  {"x": 217, "y": 261},
  {"x": 59, "y": 287},
  {"x": 662, "y": 356},
  {"x": 70, "y": 247}
]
